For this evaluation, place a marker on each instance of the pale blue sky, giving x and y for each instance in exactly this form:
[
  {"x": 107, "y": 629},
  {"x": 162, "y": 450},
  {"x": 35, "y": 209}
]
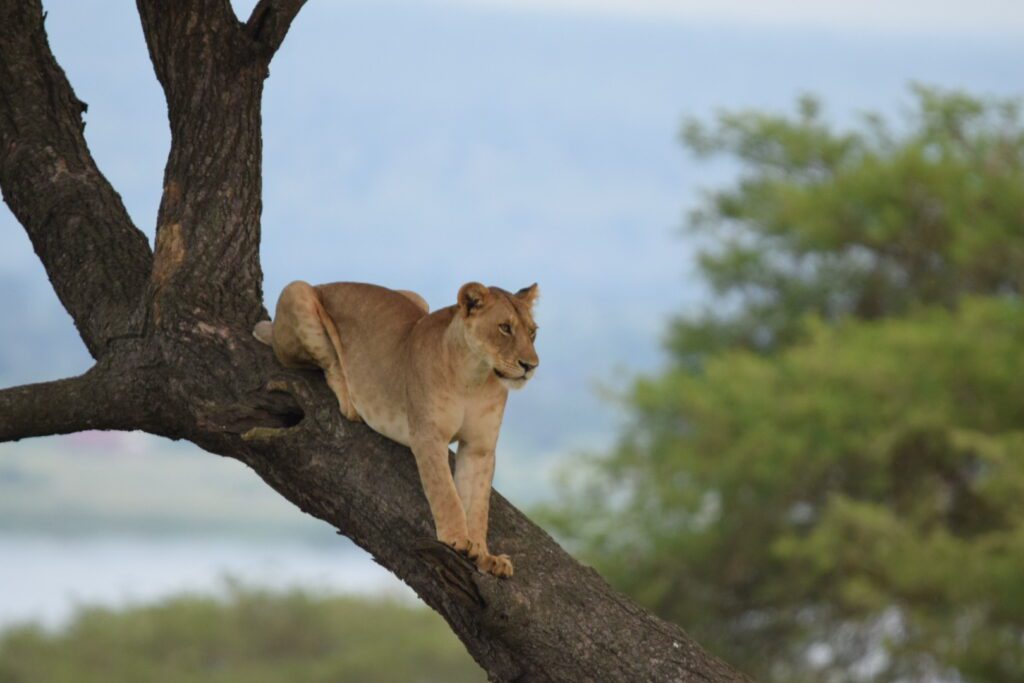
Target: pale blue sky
[
  {"x": 424, "y": 144},
  {"x": 929, "y": 17}
]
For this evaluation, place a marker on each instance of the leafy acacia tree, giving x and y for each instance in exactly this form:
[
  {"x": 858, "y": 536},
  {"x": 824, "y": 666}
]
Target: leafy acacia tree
[
  {"x": 170, "y": 327},
  {"x": 829, "y": 479}
]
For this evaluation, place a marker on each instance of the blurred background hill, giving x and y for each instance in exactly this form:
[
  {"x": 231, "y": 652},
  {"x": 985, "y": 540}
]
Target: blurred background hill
[{"x": 424, "y": 144}]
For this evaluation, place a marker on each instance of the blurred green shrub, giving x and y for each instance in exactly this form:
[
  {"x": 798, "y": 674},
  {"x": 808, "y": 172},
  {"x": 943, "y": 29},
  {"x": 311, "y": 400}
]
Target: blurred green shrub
[
  {"x": 251, "y": 637},
  {"x": 827, "y": 483}
]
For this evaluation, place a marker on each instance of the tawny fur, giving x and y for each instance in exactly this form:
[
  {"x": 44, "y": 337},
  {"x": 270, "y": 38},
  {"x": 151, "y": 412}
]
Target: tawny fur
[{"x": 422, "y": 379}]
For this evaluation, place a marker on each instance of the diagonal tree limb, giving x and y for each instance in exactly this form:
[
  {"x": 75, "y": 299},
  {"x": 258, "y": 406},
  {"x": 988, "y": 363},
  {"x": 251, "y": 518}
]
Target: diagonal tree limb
[
  {"x": 270, "y": 20},
  {"x": 555, "y": 620},
  {"x": 97, "y": 260}
]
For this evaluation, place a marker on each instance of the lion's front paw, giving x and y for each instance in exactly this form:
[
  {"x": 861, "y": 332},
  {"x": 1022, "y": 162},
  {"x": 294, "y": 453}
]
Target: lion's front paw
[
  {"x": 463, "y": 546},
  {"x": 496, "y": 565}
]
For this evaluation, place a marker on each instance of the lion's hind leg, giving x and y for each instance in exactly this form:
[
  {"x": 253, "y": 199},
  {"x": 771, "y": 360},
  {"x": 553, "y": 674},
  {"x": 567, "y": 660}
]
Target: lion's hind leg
[{"x": 304, "y": 336}]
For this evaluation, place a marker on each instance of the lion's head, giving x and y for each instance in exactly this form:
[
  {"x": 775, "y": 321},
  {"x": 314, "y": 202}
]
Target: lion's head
[{"x": 500, "y": 329}]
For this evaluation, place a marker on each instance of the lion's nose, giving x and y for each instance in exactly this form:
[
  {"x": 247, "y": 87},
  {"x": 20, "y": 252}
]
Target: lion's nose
[{"x": 527, "y": 366}]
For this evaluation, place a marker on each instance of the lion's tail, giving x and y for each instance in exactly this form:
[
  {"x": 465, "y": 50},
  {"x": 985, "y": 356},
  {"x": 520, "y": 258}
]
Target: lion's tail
[{"x": 264, "y": 331}]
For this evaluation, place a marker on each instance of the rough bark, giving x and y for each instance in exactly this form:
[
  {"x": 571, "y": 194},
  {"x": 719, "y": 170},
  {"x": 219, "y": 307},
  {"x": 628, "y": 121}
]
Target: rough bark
[
  {"x": 208, "y": 227},
  {"x": 176, "y": 358},
  {"x": 69, "y": 405}
]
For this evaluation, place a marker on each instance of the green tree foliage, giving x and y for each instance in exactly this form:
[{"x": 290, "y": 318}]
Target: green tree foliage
[
  {"x": 828, "y": 483},
  {"x": 866, "y": 222},
  {"x": 253, "y": 636}
]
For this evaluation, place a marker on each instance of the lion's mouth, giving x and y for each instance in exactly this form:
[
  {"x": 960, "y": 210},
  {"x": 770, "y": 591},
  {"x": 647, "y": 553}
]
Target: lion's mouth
[{"x": 502, "y": 375}]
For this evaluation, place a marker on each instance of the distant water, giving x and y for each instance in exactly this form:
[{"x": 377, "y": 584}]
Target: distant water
[{"x": 43, "y": 579}]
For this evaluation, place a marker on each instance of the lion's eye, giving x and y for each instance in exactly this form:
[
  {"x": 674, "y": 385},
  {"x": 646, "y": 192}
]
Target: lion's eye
[
  {"x": 533, "y": 333},
  {"x": 505, "y": 328}
]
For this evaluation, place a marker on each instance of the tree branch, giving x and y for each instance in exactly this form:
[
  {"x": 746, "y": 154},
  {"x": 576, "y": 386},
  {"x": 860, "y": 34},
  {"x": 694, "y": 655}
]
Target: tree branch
[
  {"x": 555, "y": 620},
  {"x": 98, "y": 399},
  {"x": 270, "y": 20},
  {"x": 97, "y": 260},
  {"x": 176, "y": 31},
  {"x": 208, "y": 227}
]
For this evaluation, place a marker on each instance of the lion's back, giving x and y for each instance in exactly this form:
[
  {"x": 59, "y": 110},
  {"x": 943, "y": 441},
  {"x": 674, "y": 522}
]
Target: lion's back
[{"x": 373, "y": 325}]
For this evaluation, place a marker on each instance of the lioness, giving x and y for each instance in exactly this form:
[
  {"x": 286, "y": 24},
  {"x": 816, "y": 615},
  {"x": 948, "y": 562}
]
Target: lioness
[{"x": 422, "y": 379}]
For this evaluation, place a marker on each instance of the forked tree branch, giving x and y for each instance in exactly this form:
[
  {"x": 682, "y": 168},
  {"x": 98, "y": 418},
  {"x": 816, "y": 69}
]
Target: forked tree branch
[
  {"x": 189, "y": 41},
  {"x": 97, "y": 260}
]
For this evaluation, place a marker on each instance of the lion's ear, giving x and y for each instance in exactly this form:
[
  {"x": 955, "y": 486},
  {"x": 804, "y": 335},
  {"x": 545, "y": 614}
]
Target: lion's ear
[
  {"x": 472, "y": 297},
  {"x": 529, "y": 294}
]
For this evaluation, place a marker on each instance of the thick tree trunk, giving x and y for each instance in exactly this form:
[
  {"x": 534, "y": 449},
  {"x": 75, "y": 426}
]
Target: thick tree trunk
[{"x": 171, "y": 334}]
